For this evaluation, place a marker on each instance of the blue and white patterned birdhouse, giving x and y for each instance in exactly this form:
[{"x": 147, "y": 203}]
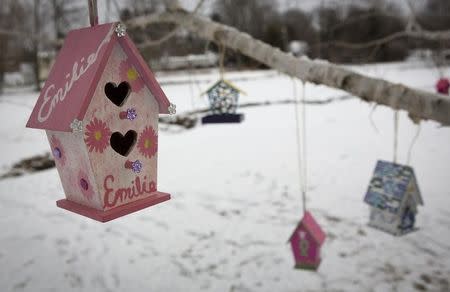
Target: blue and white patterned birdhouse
[
  {"x": 223, "y": 98},
  {"x": 393, "y": 196}
]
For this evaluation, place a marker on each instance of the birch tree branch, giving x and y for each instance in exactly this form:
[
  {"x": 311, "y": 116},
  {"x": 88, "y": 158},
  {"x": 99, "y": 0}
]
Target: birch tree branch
[{"x": 418, "y": 103}]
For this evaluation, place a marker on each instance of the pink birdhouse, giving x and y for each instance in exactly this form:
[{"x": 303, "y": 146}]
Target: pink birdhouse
[
  {"x": 306, "y": 242},
  {"x": 443, "y": 85},
  {"x": 100, "y": 108}
]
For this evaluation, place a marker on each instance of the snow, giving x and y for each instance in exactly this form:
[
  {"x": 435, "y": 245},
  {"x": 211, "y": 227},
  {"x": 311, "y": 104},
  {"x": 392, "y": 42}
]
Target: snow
[{"x": 235, "y": 200}]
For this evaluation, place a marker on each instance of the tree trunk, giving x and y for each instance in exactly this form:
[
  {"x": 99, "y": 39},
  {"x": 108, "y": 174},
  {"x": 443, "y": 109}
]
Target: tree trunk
[
  {"x": 37, "y": 32},
  {"x": 418, "y": 103}
]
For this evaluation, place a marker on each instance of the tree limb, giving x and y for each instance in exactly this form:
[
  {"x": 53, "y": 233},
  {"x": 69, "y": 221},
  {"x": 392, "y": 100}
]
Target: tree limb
[{"x": 418, "y": 103}]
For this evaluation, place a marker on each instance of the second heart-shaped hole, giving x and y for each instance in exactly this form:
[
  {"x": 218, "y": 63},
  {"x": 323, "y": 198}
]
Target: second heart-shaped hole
[
  {"x": 117, "y": 94},
  {"x": 123, "y": 144}
]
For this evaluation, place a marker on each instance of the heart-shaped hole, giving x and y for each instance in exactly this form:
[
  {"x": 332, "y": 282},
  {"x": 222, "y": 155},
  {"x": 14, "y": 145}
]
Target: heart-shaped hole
[
  {"x": 123, "y": 144},
  {"x": 117, "y": 93}
]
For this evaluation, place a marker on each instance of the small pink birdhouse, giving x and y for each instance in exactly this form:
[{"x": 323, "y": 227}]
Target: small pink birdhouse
[
  {"x": 443, "y": 85},
  {"x": 100, "y": 108},
  {"x": 306, "y": 242}
]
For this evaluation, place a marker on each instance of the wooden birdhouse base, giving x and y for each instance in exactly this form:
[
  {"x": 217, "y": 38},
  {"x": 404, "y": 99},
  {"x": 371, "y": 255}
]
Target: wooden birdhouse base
[
  {"x": 223, "y": 119},
  {"x": 104, "y": 216},
  {"x": 307, "y": 266}
]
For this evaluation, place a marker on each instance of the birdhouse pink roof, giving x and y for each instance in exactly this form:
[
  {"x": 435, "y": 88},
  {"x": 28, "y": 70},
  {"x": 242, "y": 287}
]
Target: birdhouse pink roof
[
  {"x": 310, "y": 224},
  {"x": 73, "y": 79}
]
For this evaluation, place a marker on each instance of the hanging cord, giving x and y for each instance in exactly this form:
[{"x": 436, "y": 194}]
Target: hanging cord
[
  {"x": 413, "y": 142},
  {"x": 395, "y": 135},
  {"x": 221, "y": 60},
  {"x": 93, "y": 12},
  {"x": 305, "y": 186},
  {"x": 191, "y": 87},
  {"x": 300, "y": 139},
  {"x": 372, "y": 122}
]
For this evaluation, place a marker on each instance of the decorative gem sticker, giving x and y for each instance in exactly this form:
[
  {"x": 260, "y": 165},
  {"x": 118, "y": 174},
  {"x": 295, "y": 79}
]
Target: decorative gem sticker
[
  {"x": 97, "y": 135},
  {"x": 129, "y": 114},
  {"x": 130, "y": 74},
  {"x": 57, "y": 151},
  {"x": 76, "y": 126},
  {"x": 148, "y": 142},
  {"x": 120, "y": 30},
  {"x": 172, "y": 109},
  {"x": 135, "y": 166},
  {"x": 83, "y": 183}
]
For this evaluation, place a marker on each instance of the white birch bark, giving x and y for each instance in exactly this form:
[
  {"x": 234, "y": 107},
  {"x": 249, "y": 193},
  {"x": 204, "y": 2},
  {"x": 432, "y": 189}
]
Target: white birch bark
[{"x": 418, "y": 103}]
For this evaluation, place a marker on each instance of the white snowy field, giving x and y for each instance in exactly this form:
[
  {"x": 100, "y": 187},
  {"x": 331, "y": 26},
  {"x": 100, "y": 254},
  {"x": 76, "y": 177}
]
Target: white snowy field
[{"x": 235, "y": 200}]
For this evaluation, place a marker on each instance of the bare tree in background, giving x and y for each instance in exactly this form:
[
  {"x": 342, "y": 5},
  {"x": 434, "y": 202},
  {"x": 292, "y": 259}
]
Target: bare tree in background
[
  {"x": 37, "y": 32},
  {"x": 66, "y": 15},
  {"x": 250, "y": 16},
  {"x": 436, "y": 16}
]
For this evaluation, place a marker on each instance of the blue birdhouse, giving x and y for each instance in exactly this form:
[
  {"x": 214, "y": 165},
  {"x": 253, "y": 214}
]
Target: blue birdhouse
[
  {"x": 223, "y": 98},
  {"x": 393, "y": 196}
]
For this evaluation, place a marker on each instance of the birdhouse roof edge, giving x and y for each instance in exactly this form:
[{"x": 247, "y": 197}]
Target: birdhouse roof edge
[{"x": 226, "y": 82}]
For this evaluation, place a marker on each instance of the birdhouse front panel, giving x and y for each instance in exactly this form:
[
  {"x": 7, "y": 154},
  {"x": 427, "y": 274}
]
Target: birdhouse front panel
[
  {"x": 121, "y": 134},
  {"x": 223, "y": 98},
  {"x": 74, "y": 168},
  {"x": 384, "y": 220},
  {"x": 304, "y": 247}
]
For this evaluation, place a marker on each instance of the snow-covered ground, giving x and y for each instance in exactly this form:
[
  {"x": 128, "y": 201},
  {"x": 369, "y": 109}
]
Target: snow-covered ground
[{"x": 235, "y": 201}]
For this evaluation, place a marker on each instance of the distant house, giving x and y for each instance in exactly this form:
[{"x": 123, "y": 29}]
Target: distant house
[
  {"x": 393, "y": 196},
  {"x": 306, "y": 242}
]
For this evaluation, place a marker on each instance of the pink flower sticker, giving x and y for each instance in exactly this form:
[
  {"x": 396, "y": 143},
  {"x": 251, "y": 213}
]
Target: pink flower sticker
[
  {"x": 129, "y": 74},
  {"x": 58, "y": 151},
  {"x": 148, "y": 142},
  {"x": 97, "y": 135}
]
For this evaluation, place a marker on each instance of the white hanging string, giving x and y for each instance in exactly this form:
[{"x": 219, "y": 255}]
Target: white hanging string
[
  {"x": 300, "y": 133},
  {"x": 303, "y": 105},
  {"x": 222, "y": 49},
  {"x": 191, "y": 86},
  {"x": 413, "y": 142},
  {"x": 395, "y": 135},
  {"x": 372, "y": 122}
]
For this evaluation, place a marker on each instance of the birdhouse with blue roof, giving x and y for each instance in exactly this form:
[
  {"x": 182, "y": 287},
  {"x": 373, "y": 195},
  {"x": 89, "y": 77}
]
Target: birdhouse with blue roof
[
  {"x": 393, "y": 196},
  {"x": 223, "y": 98}
]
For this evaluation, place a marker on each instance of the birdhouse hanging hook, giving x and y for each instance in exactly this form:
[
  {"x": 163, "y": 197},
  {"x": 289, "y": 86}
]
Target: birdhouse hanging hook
[{"x": 93, "y": 12}]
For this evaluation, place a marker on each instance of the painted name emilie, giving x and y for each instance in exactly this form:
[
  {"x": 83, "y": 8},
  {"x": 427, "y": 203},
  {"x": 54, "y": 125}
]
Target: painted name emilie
[
  {"x": 114, "y": 196},
  {"x": 53, "y": 96}
]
